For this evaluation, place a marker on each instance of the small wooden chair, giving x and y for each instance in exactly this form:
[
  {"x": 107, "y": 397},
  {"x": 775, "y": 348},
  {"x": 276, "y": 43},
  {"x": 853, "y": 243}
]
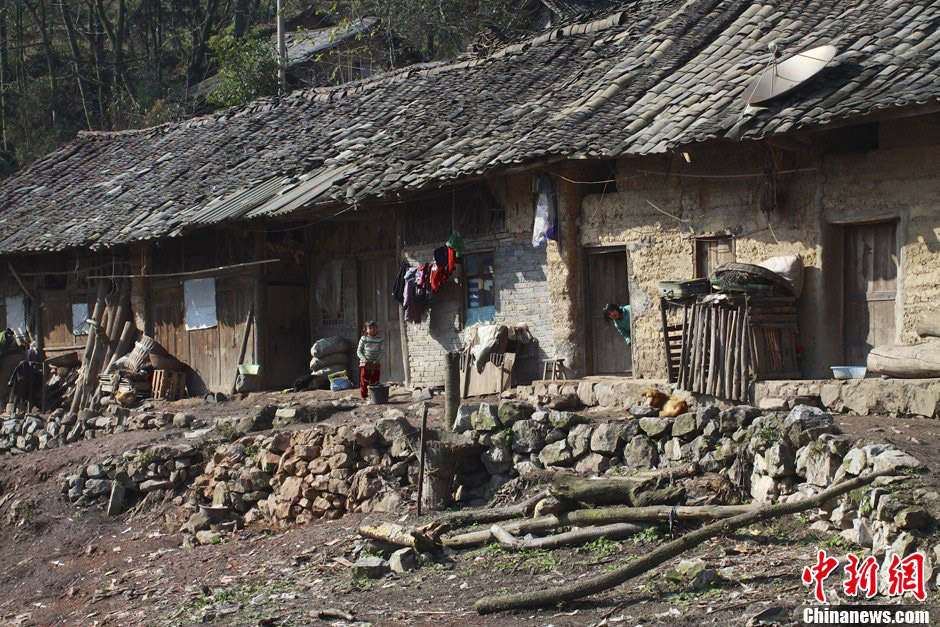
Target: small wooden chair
[{"x": 555, "y": 367}]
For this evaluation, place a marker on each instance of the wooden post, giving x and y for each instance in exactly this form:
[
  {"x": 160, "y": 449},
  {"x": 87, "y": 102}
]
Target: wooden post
[
  {"x": 451, "y": 388},
  {"x": 89, "y": 345},
  {"x": 244, "y": 346},
  {"x": 441, "y": 460},
  {"x": 424, "y": 426},
  {"x": 402, "y": 327}
]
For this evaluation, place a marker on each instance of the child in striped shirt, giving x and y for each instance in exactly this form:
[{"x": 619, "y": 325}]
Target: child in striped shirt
[{"x": 370, "y": 350}]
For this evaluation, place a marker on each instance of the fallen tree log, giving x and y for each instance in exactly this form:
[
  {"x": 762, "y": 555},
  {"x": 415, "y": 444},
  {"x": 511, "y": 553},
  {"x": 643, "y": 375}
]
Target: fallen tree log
[
  {"x": 917, "y": 361},
  {"x": 602, "y": 516},
  {"x": 640, "y": 488},
  {"x": 929, "y": 325},
  {"x": 442, "y": 525},
  {"x": 396, "y": 535},
  {"x": 593, "y": 585},
  {"x": 616, "y": 531}
]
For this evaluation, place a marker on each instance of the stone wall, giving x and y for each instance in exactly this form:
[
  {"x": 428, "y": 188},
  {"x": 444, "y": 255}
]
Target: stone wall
[{"x": 825, "y": 186}]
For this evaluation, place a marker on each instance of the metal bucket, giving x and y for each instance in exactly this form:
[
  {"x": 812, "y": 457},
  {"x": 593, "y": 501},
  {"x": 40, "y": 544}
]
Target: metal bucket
[{"x": 378, "y": 394}]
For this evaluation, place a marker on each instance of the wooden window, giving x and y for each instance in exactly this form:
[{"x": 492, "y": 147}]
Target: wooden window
[
  {"x": 712, "y": 252},
  {"x": 481, "y": 290}
]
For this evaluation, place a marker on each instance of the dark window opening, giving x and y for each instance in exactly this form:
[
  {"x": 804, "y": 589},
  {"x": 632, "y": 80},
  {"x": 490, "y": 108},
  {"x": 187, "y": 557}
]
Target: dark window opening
[{"x": 481, "y": 292}]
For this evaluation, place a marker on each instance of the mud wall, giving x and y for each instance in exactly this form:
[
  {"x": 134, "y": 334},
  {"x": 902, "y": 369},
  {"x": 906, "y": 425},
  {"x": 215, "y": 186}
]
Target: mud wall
[{"x": 829, "y": 182}]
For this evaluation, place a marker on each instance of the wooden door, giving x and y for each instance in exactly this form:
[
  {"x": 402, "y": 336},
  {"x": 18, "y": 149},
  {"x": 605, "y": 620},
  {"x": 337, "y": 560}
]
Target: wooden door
[
  {"x": 712, "y": 252},
  {"x": 607, "y": 283},
  {"x": 376, "y": 278},
  {"x": 287, "y": 335},
  {"x": 234, "y": 297},
  {"x": 871, "y": 275},
  {"x": 166, "y": 307}
]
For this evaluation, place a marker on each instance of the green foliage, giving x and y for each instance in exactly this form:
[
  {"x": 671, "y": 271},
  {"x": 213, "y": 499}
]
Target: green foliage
[
  {"x": 247, "y": 69},
  {"x": 602, "y": 547},
  {"x": 837, "y": 542},
  {"x": 648, "y": 535}
]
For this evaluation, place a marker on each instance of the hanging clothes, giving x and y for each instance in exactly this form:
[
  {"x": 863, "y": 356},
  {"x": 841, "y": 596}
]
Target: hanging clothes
[
  {"x": 545, "y": 226},
  {"x": 398, "y": 289}
]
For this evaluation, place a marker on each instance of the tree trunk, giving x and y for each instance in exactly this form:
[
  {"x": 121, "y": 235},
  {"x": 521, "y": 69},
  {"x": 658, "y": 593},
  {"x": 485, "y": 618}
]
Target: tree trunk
[
  {"x": 451, "y": 388},
  {"x": 616, "y": 531},
  {"x": 636, "y": 489},
  {"x": 464, "y": 519},
  {"x": 76, "y": 57},
  {"x": 918, "y": 361},
  {"x": 603, "y": 516},
  {"x": 441, "y": 462},
  {"x": 598, "y": 583},
  {"x": 89, "y": 346}
]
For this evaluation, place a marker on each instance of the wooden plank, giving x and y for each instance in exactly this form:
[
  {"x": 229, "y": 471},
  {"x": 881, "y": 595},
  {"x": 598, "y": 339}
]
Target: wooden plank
[
  {"x": 684, "y": 347},
  {"x": 713, "y": 348}
]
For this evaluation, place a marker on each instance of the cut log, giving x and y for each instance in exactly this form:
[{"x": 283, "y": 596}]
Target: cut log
[
  {"x": 396, "y": 535},
  {"x": 639, "y": 488},
  {"x": 620, "y": 490},
  {"x": 575, "y": 537},
  {"x": 917, "y": 361},
  {"x": 929, "y": 325},
  {"x": 598, "y": 583},
  {"x": 441, "y": 459},
  {"x": 602, "y": 516},
  {"x": 89, "y": 345}
]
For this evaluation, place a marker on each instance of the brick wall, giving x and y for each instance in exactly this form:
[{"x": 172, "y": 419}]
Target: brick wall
[{"x": 522, "y": 298}]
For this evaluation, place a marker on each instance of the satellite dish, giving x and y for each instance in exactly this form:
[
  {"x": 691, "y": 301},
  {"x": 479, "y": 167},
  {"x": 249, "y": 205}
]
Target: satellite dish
[{"x": 784, "y": 76}]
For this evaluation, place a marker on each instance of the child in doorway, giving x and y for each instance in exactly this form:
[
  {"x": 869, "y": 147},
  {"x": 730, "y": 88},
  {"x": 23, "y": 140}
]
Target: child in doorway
[{"x": 370, "y": 353}]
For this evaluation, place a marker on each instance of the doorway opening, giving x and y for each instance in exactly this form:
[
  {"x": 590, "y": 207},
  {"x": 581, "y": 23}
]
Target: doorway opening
[{"x": 606, "y": 282}]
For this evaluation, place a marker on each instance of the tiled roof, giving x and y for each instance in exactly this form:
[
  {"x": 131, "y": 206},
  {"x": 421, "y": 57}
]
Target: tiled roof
[{"x": 653, "y": 76}]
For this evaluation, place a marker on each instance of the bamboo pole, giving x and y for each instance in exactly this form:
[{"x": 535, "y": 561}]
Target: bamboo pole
[
  {"x": 89, "y": 345},
  {"x": 684, "y": 350}
]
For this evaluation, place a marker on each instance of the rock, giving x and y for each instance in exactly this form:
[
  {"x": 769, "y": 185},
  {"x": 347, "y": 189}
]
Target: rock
[
  {"x": 608, "y": 437},
  {"x": 421, "y": 394},
  {"x": 653, "y": 426},
  {"x": 586, "y": 393},
  {"x": 672, "y": 450},
  {"x": 684, "y": 426},
  {"x": 763, "y": 488},
  {"x": 497, "y": 459},
  {"x": 284, "y": 416},
  {"x": 821, "y": 526},
  {"x": 510, "y": 412},
  {"x": 485, "y": 418},
  {"x": 403, "y": 560},
  {"x": 579, "y": 439},
  {"x": 96, "y": 487},
  {"x": 116, "y": 500},
  {"x": 734, "y": 418},
  {"x": 855, "y": 461},
  {"x": 699, "y": 447},
  {"x": 895, "y": 460},
  {"x": 208, "y": 536},
  {"x": 808, "y": 417},
  {"x": 780, "y": 461},
  {"x": 463, "y": 421},
  {"x": 528, "y": 436},
  {"x": 771, "y": 404},
  {"x": 556, "y": 435},
  {"x": 859, "y": 534},
  {"x": 593, "y": 463},
  {"x": 913, "y": 518},
  {"x": 842, "y": 516},
  {"x": 710, "y": 430},
  {"x": 643, "y": 411},
  {"x": 369, "y": 568},
  {"x": 197, "y": 522},
  {"x": 726, "y": 452},
  {"x": 903, "y": 545},
  {"x": 564, "y": 419},
  {"x": 182, "y": 420},
  {"x": 705, "y": 415},
  {"x": 639, "y": 453},
  {"x": 565, "y": 402},
  {"x": 821, "y": 466},
  {"x": 693, "y": 573},
  {"x": 393, "y": 426},
  {"x": 556, "y": 454},
  {"x": 155, "y": 484}
]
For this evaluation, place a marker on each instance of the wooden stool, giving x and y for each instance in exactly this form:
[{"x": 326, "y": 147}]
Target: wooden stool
[{"x": 557, "y": 371}]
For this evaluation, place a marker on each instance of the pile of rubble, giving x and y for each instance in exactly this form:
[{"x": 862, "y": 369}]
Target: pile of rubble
[
  {"x": 136, "y": 472},
  {"x": 321, "y": 472},
  {"x": 25, "y": 433}
]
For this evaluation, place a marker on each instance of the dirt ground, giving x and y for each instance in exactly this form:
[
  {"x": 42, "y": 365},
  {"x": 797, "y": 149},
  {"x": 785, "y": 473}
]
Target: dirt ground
[{"x": 64, "y": 566}]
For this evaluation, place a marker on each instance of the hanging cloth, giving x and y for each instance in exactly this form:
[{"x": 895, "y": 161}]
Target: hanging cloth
[{"x": 545, "y": 226}]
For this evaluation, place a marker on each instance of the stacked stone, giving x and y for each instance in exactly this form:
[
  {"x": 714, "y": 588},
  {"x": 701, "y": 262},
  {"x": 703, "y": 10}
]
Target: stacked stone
[
  {"x": 26, "y": 433},
  {"x": 321, "y": 472},
  {"x": 144, "y": 470}
]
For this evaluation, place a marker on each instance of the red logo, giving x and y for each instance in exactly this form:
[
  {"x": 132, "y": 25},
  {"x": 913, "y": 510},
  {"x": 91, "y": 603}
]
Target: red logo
[
  {"x": 862, "y": 576},
  {"x": 906, "y": 575},
  {"x": 816, "y": 575}
]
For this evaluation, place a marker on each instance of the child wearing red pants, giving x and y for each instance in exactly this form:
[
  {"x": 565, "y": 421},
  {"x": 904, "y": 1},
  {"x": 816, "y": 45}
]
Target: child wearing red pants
[{"x": 370, "y": 350}]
